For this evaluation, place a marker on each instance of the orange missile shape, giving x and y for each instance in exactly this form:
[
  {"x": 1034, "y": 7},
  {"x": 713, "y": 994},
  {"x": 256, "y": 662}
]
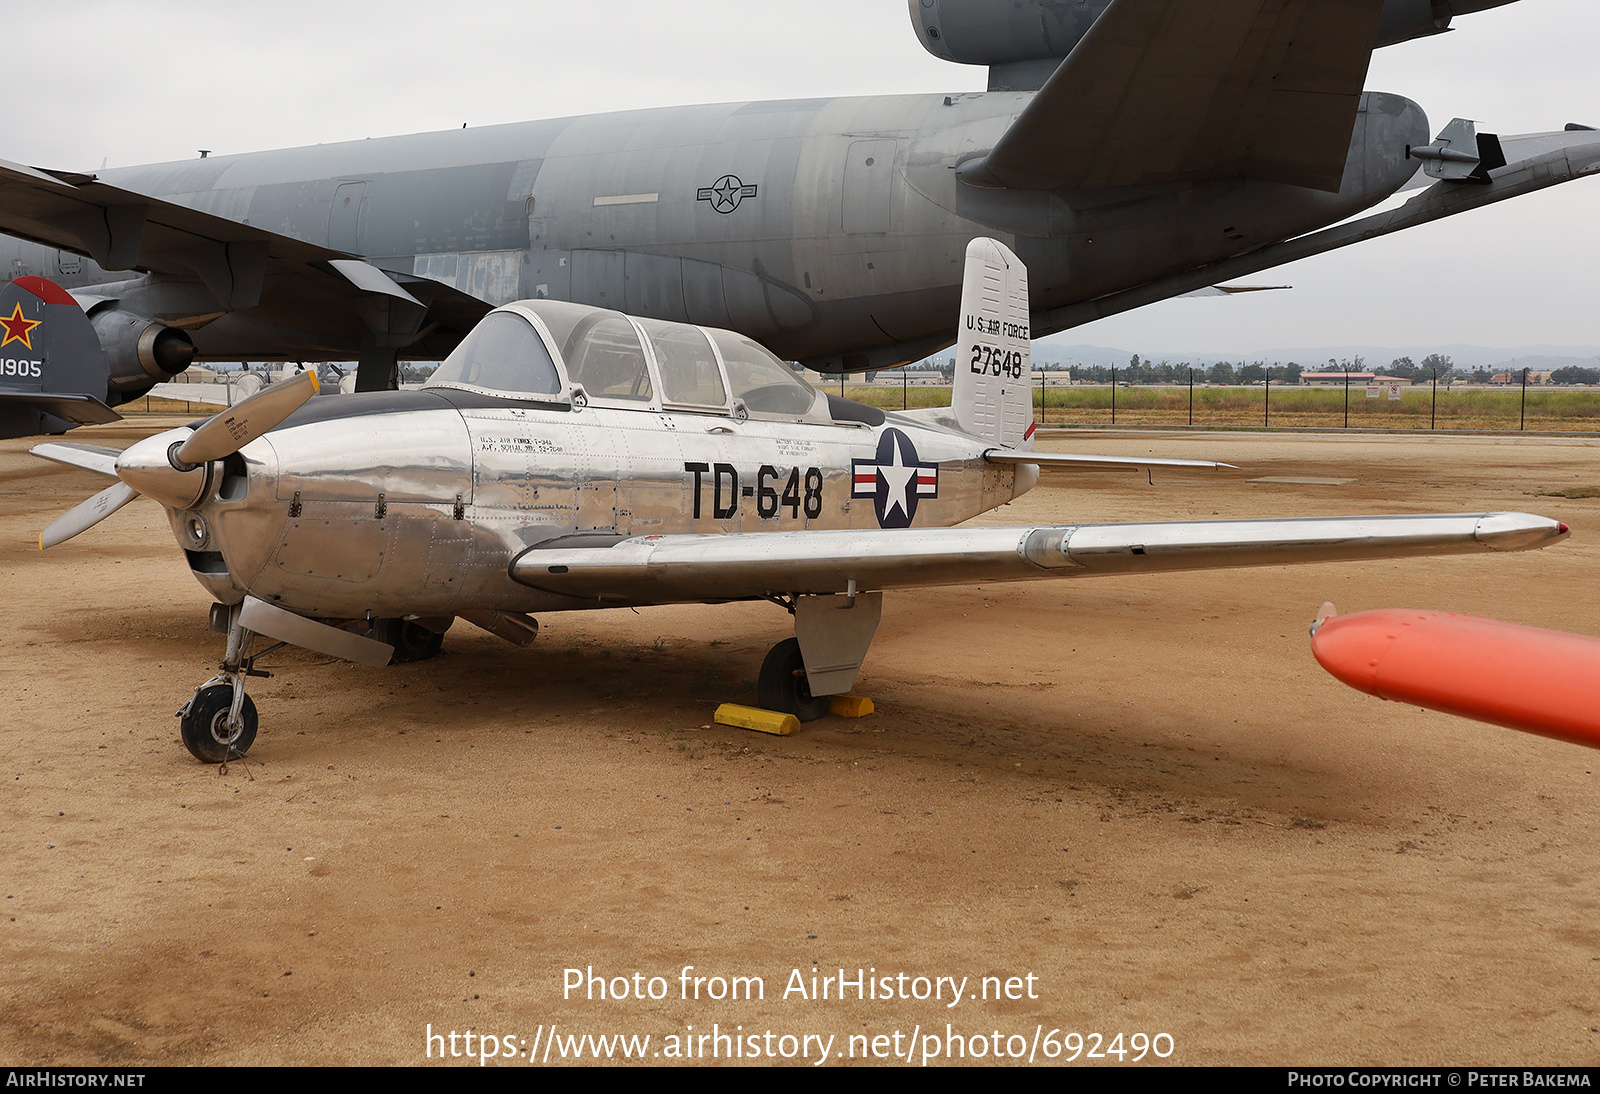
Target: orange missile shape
[{"x": 1539, "y": 681}]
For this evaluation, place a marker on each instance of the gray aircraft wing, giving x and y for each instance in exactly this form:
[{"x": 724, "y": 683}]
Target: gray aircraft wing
[
  {"x": 240, "y": 265},
  {"x": 1180, "y": 91},
  {"x": 748, "y": 565}
]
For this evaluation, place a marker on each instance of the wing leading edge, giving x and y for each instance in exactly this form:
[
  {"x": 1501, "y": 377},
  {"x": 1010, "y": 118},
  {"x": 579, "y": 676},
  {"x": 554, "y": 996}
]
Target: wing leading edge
[{"x": 749, "y": 565}]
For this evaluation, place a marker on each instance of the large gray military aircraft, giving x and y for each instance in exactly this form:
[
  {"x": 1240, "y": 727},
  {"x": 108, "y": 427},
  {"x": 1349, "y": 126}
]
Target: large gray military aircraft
[
  {"x": 1128, "y": 150},
  {"x": 567, "y": 457}
]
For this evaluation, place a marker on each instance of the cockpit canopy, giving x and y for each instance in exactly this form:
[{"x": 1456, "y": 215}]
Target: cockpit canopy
[{"x": 549, "y": 347}]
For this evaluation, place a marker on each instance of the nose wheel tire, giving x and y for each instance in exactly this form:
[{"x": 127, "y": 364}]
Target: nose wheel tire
[
  {"x": 205, "y": 726},
  {"x": 783, "y": 686}
]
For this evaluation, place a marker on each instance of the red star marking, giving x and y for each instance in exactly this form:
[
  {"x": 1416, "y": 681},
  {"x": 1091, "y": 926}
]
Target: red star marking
[{"x": 18, "y": 329}]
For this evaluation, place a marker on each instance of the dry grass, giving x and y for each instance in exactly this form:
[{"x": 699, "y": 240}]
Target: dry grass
[{"x": 1474, "y": 408}]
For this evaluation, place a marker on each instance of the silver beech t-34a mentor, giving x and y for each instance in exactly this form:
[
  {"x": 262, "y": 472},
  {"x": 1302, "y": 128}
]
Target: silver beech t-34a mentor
[
  {"x": 568, "y": 457},
  {"x": 1128, "y": 150}
]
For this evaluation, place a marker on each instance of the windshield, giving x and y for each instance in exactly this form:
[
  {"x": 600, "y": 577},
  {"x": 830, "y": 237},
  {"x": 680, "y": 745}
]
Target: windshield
[
  {"x": 600, "y": 349},
  {"x": 689, "y": 372},
  {"x": 766, "y": 384},
  {"x": 502, "y": 353}
]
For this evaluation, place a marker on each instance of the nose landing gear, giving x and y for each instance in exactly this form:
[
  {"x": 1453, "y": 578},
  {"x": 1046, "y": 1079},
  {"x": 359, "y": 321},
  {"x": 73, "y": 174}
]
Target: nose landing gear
[
  {"x": 213, "y": 730},
  {"x": 218, "y": 723}
]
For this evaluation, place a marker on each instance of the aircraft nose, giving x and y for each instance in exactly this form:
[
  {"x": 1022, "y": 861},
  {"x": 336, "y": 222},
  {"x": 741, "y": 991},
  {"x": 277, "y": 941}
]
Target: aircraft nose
[{"x": 149, "y": 468}]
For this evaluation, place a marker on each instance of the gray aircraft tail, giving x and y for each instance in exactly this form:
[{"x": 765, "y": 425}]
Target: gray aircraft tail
[{"x": 53, "y": 373}]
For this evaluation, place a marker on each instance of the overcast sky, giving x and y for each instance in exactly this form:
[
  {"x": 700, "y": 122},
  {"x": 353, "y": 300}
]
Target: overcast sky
[{"x": 106, "y": 81}]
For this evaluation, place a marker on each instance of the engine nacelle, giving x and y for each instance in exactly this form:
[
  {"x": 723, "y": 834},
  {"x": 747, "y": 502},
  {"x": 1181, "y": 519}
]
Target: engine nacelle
[
  {"x": 1027, "y": 33},
  {"x": 141, "y": 351},
  {"x": 998, "y": 32}
]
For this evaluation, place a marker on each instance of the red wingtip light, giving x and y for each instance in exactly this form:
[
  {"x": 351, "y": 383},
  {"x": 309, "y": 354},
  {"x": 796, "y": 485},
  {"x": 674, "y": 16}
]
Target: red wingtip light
[{"x": 1562, "y": 529}]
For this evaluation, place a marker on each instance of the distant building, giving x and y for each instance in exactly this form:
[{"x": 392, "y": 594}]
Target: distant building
[
  {"x": 195, "y": 374},
  {"x": 1341, "y": 378}
]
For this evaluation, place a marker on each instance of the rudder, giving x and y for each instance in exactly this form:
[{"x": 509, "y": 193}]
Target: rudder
[{"x": 992, "y": 397}]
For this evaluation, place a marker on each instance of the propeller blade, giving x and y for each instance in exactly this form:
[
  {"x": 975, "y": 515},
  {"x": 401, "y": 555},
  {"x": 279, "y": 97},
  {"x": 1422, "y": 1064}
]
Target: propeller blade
[
  {"x": 232, "y": 429},
  {"x": 87, "y": 514}
]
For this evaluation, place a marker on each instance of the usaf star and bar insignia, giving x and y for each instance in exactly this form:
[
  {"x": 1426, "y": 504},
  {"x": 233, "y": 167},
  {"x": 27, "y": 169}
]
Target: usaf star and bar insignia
[
  {"x": 726, "y": 193},
  {"x": 895, "y": 479}
]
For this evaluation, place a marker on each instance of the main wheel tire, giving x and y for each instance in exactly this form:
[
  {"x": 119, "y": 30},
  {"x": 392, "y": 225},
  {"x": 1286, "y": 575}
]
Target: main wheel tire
[
  {"x": 205, "y": 726},
  {"x": 410, "y": 639},
  {"x": 783, "y": 685}
]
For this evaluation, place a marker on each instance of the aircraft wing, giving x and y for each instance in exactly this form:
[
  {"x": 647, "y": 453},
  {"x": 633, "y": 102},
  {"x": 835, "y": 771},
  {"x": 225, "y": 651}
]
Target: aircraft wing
[
  {"x": 750, "y": 565},
  {"x": 1174, "y": 90},
  {"x": 241, "y": 266},
  {"x": 1067, "y": 461}
]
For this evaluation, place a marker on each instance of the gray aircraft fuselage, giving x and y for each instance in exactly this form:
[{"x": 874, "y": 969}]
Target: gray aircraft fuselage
[{"x": 833, "y": 230}]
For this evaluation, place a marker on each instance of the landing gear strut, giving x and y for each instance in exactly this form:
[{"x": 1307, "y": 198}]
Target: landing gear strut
[{"x": 218, "y": 723}]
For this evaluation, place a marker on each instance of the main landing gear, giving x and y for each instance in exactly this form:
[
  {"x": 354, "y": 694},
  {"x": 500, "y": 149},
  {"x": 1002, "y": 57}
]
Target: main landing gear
[
  {"x": 783, "y": 686},
  {"x": 832, "y": 634}
]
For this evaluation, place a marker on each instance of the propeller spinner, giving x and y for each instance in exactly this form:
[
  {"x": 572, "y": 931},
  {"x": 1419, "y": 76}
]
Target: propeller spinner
[{"x": 164, "y": 466}]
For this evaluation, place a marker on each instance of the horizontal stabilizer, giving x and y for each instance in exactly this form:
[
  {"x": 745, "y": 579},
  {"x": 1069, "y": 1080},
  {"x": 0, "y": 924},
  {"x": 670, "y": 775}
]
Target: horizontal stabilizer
[
  {"x": 78, "y": 409},
  {"x": 661, "y": 569},
  {"x": 1535, "y": 161}
]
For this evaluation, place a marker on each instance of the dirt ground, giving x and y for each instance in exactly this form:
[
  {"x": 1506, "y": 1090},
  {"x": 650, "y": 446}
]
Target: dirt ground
[{"x": 1141, "y": 793}]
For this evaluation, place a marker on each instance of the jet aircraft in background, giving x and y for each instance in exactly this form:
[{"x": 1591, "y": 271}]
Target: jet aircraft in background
[{"x": 1128, "y": 150}]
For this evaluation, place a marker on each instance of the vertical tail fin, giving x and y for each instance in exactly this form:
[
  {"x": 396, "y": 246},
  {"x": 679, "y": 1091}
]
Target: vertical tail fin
[
  {"x": 53, "y": 373},
  {"x": 993, "y": 396}
]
